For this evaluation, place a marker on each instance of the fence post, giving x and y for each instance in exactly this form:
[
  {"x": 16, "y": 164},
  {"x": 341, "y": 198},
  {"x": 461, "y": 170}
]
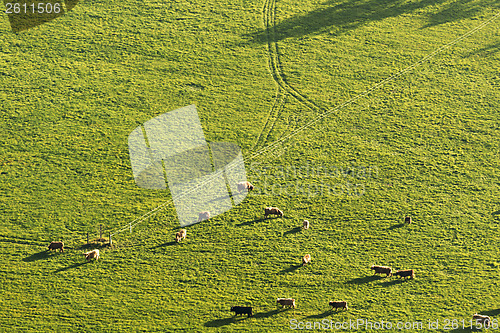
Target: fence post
[
  {"x": 110, "y": 241},
  {"x": 87, "y": 237},
  {"x": 130, "y": 227}
]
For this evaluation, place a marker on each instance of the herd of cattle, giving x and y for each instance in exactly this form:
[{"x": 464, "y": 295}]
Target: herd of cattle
[{"x": 283, "y": 302}]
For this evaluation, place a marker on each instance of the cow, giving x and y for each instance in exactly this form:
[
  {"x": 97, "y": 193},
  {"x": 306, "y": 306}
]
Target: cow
[
  {"x": 305, "y": 224},
  {"x": 408, "y": 219},
  {"x": 482, "y": 320},
  {"x": 92, "y": 254},
  {"x": 408, "y": 273},
  {"x": 180, "y": 235},
  {"x": 286, "y": 302},
  {"x": 306, "y": 259},
  {"x": 382, "y": 270},
  {"x": 241, "y": 310},
  {"x": 338, "y": 305},
  {"x": 272, "y": 211},
  {"x": 202, "y": 216},
  {"x": 244, "y": 186},
  {"x": 56, "y": 246}
]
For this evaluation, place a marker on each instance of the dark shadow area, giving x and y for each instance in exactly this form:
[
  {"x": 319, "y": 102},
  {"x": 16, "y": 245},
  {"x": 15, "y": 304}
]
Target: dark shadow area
[
  {"x": 92, "y": 246},
  {"x": 38, "y": 256},
  {"x": 251, "y": 222},
  {"x": 396, "y": 226},
  {"x": 392, "y": 282},
  {"x": 223, "y": 321},
  {"x": 267, "y": 314},
  {"x": 72, "y": 266},
  {"x": 292, "y": 231},
  {"x": 321, "y": 315},
  {"x": 340, "y": 17},
  {"x": 459, "y": 10},
  {"x": 491, "y": 313},
  {"x": 366, "y": 279},
  {"x": 24, "y": 14},
  {"x": 290, "y": 269}
]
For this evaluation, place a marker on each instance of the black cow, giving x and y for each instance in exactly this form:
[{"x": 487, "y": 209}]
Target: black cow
[
  {"x": 241, "y": 310},
  {"x": 408, "y": 273}
]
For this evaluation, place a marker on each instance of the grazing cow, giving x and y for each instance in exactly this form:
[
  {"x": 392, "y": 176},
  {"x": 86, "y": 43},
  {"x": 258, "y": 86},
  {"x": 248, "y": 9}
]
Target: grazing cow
[
  {"x": 56, "y": 245},
  {"x": 408, "y": 220},
  {"x": 382, "y": 270},
  {"x": 408, "y": 273},
  {"x": 92, "y": 254},
  {"x": 306, "y": 259},
  {"x": 272, "y": 211},
  {"x": 244, "y": 186},
  {"x": 305, "y": 225},
  {"x": 180, "y": 235},
  {"x": 241, "y": 310},
  {"x": 286, "y": 302},
  {"x": 338, "y": 305},
  {"x": 485, "y": 321},
  {"x": 203, "y": 216}
]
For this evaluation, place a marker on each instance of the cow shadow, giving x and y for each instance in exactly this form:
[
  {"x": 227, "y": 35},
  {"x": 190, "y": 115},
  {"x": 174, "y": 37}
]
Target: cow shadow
[
  {"x": 38, "y": 256},
  {"x": 71, "y": 266},
  {"x": 320, "y": 315},
  {"x": 251, "y": 222},
  {"x": 267, "y": 314},
  {"x": 224, "y": 321},
  {"x": 290, "y": 269},
  {"x": 365, "y": 279},
  {"x": 396, "y": 226},
  {"x": 491, "y": 313},
  {"x": 393, "y": 282},
  {"x": 292, "y": 231}
]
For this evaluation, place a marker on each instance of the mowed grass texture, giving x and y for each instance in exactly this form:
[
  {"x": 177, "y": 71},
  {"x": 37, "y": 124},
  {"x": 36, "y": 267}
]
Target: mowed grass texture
[{"x": 425, "y": 145}]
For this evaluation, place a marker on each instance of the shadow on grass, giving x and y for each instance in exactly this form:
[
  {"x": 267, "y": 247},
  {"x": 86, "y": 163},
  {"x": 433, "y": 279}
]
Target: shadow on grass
[
  {"x": 251, "y": 222},
  {"x": 21, "y": 240},
  {"x": 292, "y": 231},
  {"x": 393, "y": 282},
  {"x": 38, "y": 256},
  {"x": 366, "y": 279},
  {"x": 71, "y": 266},
  {"x": 321, "y": 315},
  {"x": 267, "y": 314},
  {"x": 290, "y": 269},
  {"x": 396, "y": 226},
  {"x": 225, "y": 321}
]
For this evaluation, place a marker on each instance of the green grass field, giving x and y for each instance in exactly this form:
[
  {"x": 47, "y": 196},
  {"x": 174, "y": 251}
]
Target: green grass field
[{"x": 425, "y": 143}]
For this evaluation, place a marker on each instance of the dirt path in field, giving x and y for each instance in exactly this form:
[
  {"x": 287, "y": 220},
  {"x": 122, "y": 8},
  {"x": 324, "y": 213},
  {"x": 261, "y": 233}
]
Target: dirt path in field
[{"x": 284, "y": 88}]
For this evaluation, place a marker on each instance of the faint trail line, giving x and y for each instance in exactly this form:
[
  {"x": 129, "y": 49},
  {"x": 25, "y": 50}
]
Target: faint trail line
[
  {"x": 276, "y": 69},
  {"x": 312, "y": 122}
]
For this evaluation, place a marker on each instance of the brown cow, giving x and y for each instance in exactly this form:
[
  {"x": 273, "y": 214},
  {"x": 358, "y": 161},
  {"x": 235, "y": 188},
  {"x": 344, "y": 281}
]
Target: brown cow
[
  {"x": 202, "y": 216},
  {"x": 485, "y": 321},
  {"x": 382, "y": 270},
  {"x": 92, "y": 254},
  {"x": 56, "y": 246},
  {"x": 338, "y": 305},
  {"x": 408, "y": 273},
  {"x": 306, "y": 259},
  {"x": 286, "y": 302},
  {"x": 244, "y": 186},
  {"x": 305, "y": 224},
  {"x": 272, "y": 211},
  {"x": 180, "y": 235}
]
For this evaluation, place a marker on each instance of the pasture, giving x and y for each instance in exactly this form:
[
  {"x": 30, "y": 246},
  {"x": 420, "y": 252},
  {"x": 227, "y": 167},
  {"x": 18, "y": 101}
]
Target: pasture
[{"x": 424, "y": 144}]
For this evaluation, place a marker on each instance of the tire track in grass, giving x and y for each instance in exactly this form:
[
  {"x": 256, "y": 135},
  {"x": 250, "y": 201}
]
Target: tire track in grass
[{"x": 276, "y": 69}]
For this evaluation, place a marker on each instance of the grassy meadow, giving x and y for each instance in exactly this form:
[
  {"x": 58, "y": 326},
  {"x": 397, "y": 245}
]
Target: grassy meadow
[{"x": 424, "y": 144}]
